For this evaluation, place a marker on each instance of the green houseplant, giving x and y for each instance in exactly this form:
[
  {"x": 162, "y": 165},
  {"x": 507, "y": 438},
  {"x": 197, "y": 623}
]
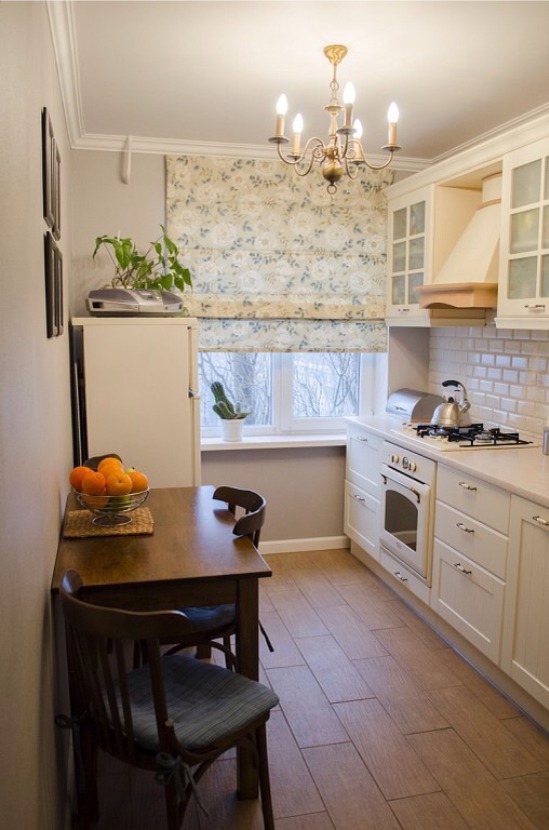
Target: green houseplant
[
  {"x": 158, "y": 269},
  {"x": 232, "y": 415}
]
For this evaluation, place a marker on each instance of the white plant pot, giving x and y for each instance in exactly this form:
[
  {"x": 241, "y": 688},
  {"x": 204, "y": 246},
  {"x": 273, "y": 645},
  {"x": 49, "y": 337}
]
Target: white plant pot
[{"x": 231, "y": 430}]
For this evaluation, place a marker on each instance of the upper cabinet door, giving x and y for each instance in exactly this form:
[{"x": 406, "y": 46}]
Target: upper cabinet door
[
  {"x": 408, "y": 258},
  {"x": 523, "y": 297}
]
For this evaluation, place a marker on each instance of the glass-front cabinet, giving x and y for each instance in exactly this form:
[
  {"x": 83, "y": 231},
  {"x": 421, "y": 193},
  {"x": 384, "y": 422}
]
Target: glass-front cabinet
[
  {"x": 408, "y": 256},
  {"x": 524, "y": 267}
]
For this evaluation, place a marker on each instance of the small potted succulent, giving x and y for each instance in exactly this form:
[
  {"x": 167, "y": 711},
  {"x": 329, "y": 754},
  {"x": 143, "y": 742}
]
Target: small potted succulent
[{"x": 232, "y": 415}]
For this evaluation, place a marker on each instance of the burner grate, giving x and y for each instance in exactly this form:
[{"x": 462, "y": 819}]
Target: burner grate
[{"x": 473, "y": 435}]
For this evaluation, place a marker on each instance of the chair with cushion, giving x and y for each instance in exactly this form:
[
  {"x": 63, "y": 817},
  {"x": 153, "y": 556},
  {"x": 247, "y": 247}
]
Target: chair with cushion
[
  {"x": 174, "y": 715},
  {"x": 213, "y": 622}
]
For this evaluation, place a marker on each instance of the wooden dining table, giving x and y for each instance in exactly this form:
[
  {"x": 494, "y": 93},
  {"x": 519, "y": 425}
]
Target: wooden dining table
[{"x": 191, "y": 557}]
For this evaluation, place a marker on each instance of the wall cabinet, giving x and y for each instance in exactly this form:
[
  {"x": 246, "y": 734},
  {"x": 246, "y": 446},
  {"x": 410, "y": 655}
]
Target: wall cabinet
[
  {"x": 525, "y": 646},
  {"x": 361, "y": 520},
  {"x": 424, "y": 227},
  {"x": 523, "y": 293}
]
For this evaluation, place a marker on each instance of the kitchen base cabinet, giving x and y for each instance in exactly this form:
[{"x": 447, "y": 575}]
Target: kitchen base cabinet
[
  {"x": 362, "y": 519},
  {"x": 469, "y": 598},
  {"x": 525, "y": 646},
  {"x": 362, "y": 485},
  {"x": 470, "y": 558}
]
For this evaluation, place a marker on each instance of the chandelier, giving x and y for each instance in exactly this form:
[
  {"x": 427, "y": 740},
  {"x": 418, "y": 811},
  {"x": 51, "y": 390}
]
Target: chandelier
[{"x": 343, "y": 152}]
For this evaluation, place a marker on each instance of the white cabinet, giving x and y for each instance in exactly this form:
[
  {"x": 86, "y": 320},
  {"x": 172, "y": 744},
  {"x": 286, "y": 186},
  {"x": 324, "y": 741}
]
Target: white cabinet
[
  {"x": 424, "y": 227},
  {"x": 409, "y": 237},
  {"x": 140, "y": 386},
  {"x": 525, "y": 647},
  {"x": 361, "y": 520},
  {"x": 470, "y": 558},
  {"x": 523, "y": 294}
]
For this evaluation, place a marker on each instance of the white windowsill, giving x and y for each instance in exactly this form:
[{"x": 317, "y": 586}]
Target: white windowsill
[{"x": 274, "y": 442}]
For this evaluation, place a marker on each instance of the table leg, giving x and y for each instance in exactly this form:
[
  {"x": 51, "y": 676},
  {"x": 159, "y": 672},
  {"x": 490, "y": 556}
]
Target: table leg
[{"x": 247, "y": 663}]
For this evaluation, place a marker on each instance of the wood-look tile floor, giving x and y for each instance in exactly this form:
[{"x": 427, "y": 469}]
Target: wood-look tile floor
[{"x": 381, "y": 726}]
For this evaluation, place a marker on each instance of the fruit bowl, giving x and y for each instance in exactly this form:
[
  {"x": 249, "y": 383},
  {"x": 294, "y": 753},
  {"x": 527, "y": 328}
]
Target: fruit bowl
[{"x": 111, "y": 510}]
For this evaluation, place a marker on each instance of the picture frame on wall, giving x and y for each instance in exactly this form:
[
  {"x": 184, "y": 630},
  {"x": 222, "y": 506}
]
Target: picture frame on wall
[
  {"x": 58, "y": 288},
  {"x": 53, "y": 276},
  {"x": 51, "y": 176},
  {"x": 49, "y": 275}
]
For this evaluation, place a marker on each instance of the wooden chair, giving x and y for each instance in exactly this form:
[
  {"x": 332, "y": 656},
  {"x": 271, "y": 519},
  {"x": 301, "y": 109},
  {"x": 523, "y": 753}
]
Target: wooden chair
[
  {"x": 212, "y": 623},
  {"x": 174, "y": 715}
]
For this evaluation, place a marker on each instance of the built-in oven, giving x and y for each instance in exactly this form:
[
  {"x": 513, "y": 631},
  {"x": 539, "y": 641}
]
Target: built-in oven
[{"x": 407, "y": 507}]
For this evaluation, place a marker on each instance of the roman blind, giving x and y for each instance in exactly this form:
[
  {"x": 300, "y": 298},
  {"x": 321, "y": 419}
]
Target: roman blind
[{"x": 277, "y": 263}]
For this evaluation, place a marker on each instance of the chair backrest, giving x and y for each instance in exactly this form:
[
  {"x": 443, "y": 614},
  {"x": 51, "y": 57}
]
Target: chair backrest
[
  {"x": 253, "y": 504},
  {"x": 101, "y": 644}
]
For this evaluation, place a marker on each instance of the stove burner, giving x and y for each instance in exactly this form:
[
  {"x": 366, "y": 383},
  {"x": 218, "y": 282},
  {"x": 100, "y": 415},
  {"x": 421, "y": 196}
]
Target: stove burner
[{"x": 475, "y": 435}]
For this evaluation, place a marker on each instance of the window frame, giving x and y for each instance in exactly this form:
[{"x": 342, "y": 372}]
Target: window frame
[{"x": 373, "y": 368}]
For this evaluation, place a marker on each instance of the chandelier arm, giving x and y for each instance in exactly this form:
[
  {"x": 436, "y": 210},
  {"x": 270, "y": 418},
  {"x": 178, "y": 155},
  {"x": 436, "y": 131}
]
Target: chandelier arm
[
  {"x": 351, "y": 168},
  {"x": 379, "y": 166},
  {"x": 317, "y": 150}
]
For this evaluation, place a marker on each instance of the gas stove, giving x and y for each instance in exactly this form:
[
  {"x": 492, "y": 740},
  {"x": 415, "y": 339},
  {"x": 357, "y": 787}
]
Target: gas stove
[{"x": 474, "y": 436}]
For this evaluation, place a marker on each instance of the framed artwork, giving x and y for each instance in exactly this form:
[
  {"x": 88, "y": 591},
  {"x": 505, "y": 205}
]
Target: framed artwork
[
  {"x": 51, "y": 177},
  {"x": 53, "y": 275},
  {"x": 58, "y": 289}
]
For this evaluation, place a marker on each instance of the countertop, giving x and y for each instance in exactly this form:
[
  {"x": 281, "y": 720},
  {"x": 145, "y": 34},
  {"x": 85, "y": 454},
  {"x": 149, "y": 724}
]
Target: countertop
[{"x": 523, "y": 471}]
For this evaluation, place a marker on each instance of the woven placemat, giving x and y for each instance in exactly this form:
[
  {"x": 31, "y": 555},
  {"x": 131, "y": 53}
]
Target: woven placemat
[{"x": 78, "y": 524}]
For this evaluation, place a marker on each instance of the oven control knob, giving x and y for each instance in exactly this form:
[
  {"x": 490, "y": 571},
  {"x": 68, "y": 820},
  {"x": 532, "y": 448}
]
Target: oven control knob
[
  {"x": 405, "y": 463},
  {"x": 412, "y": 466},
  {"x": 395, "y": 458}
]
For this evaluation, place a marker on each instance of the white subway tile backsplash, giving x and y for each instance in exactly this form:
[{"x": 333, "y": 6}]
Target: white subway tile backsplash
[{"x": 506, "y": 373}]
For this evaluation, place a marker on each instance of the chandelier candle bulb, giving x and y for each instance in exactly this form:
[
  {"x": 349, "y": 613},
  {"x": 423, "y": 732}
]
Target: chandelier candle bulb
[
  {"x": 392, "y": 117},
  {"x": 298, "y": 129},
  {"x": 281, "y": 110},
  {"x": 348, "y": 100}
]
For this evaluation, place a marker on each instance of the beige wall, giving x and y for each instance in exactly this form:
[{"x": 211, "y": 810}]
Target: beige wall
[
  {"x": 35, "y": 446},
  {"x": 303, "y": 488}
]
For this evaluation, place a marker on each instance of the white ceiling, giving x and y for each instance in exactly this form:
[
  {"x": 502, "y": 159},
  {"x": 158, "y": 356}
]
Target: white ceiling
[{"x": 189, "y": 76}]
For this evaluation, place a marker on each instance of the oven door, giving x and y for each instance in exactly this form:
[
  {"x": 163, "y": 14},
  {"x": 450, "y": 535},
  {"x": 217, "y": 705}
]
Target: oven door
[{"x": 405, "y": 519}]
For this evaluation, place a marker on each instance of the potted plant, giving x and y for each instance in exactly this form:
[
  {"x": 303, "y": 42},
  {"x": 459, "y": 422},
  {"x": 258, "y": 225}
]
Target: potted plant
[
  {"x": 232, "y": 415},
  {"x": 157, "y": 270}
]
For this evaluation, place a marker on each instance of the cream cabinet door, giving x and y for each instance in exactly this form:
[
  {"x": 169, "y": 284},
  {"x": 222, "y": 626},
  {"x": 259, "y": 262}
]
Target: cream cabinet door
[
  {"x": 523, "y": 295},
  {"x": 525, "y": 646}
]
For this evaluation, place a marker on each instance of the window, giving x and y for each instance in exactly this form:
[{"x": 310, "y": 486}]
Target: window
[{"x": 292, "y": 392}]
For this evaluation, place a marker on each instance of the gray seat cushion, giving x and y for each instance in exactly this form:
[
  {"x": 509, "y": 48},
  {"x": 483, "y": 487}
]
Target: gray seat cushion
[
  {"x": 209, "y": 617},
  {"x": 205, "y": 702}
]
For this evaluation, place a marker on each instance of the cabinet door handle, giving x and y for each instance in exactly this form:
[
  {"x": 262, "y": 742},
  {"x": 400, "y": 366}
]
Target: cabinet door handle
[
  {"x": 403, "y": 310},
  {"x": 540, "y": 521},
  {"x": 467, "y": 486},
  {"x": 535, "y": 306},
  {"x": 361, "y": 438},
  {"x": 459, "y": 567},
  {"x": 464, "y": 527},
  {"x": 399, "y": 576},
  {"x": 359, "y": 498}
]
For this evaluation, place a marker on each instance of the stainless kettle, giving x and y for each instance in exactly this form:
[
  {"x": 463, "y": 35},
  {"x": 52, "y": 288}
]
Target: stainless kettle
[{"x": 453, "y": 413}]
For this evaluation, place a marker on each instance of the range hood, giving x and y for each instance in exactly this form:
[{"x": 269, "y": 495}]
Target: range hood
[{"x": 469, "y": 276}]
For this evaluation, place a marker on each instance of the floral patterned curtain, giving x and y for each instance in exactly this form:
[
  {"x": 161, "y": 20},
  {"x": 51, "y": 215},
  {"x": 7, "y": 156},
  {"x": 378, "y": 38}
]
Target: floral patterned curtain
[{"x": 277, "y": 263}]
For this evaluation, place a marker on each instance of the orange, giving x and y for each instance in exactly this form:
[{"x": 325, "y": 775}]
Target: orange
[
  {"x": 93, "y": 483},
  {"x": 95, "y": 501},
  {"x": 140, "y": 481},
  {"x": 118, "y": 484},
  {"x": 109, "y": 464},
  {"x": 76, "y": 475}
]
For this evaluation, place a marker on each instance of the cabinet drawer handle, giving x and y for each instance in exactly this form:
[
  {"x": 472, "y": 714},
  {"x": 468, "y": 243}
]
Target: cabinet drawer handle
[
  {"x": 467, "y": 486},
  {"x": 399, "y": 576},
  {"x": 361, "y": 438},
  {"x": 403, "y": 310},
  {"x": 535, "y": 306},
  {"x": 464, "y": 527},
  {"x": 461, "y": 569},
  {"x": 359, "y": 498},
  {"x": 540, "y": 521}
]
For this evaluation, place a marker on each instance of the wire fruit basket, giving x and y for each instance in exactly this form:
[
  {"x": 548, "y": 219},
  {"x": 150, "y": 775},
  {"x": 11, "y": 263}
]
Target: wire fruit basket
[{"x": 111, "y": 510}]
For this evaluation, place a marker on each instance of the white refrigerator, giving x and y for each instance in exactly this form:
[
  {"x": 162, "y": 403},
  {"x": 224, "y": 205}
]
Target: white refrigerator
[{"x": 135, "y": 393}]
